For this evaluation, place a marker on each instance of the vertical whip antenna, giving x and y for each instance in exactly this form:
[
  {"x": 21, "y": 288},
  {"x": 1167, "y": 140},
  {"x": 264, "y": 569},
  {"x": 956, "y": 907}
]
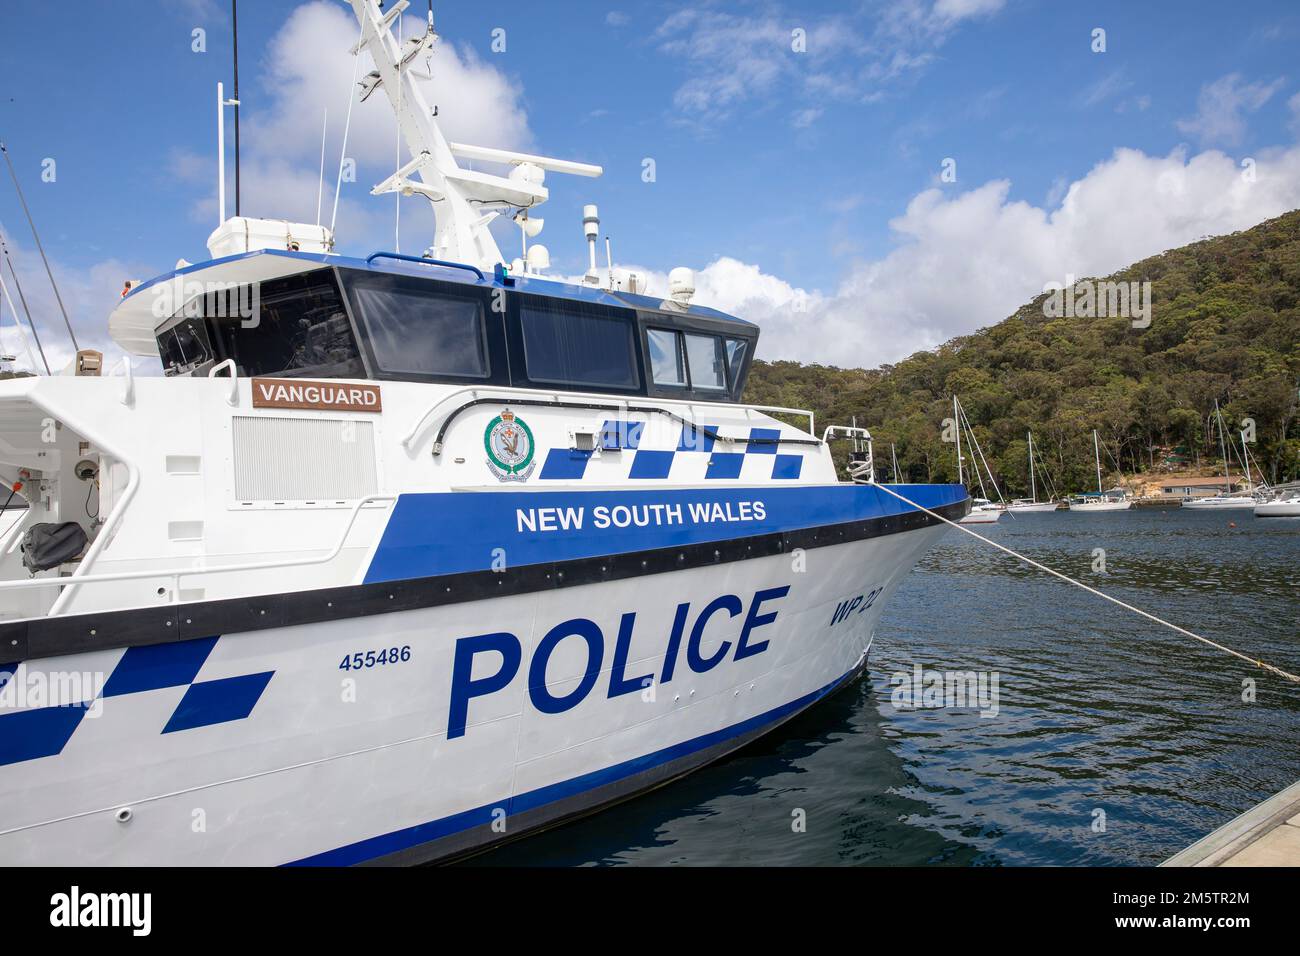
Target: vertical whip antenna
[
  {"x": 40, "y": 248},
  {"x": 234, "y": 31},
  {"x": 347, "y": 125},
  {"x": 320, "y": 185}
]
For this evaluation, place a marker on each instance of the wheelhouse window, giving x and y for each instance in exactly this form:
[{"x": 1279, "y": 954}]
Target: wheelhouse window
[
  {"x": 667, "y": 366},
  {"x": 696, "y": 361},
  {"x": 736, "y": 351},
  {"x": 704, "y": 357},
  {"x": 574, "y": 343},
  {"x": 413, "y": 330},
  {"x": 297, "y": 326}
]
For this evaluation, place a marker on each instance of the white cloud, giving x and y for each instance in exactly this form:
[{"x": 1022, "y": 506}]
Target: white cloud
[
  {"x": 951, "y": 11},
  {"x": 732, "y": 59},
  {"x": 967, "y": 261},
  {"x": 88, "y": 295},
  {"x": 802, "y": 119},
  {"x": 1220, "y": 106}
]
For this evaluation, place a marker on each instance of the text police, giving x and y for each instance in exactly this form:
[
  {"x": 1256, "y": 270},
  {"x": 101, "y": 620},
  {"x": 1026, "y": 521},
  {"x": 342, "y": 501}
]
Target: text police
[{"x": 509, "y": 649}]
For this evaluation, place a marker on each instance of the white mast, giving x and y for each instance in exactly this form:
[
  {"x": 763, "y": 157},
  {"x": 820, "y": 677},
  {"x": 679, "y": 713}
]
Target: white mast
[
  {"x": 1223, "y": 449},
  {"x": 957, "y": 424},
  {"x": 1033, "y": 486},
  {"x": 1096, "y": 452},
  {"x": 465, "y": 201}
]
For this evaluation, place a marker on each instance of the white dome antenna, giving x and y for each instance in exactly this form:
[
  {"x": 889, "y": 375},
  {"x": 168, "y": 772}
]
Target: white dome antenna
[
  {"x": 681, "y": 286},
  {"x": 539, "y": 258}
]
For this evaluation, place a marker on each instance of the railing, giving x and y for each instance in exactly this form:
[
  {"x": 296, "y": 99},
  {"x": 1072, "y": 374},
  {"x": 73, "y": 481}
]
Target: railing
[
  {"x": 175, "y": 574},
  {"x": 232, "y": 397},
  {"x": 861, "y": 468},
  {"x": 428, "y": 262},
  {"x": 481, "y": 393}
]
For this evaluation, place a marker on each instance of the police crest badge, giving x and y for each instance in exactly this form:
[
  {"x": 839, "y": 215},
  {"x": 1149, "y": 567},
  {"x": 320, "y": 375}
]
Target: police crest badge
[{"x": 510, "y": 446}]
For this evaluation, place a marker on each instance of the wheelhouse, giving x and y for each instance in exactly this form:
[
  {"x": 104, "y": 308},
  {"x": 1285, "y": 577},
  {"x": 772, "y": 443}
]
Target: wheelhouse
[{"x": 390, "y": 318}]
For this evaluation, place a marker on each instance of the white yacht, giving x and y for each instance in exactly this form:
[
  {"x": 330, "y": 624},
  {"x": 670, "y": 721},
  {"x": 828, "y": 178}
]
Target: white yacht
[
  {"x": 1227, "y": 500},
  {"x": 406, "y": 556},
  {"x": 1285, "y": 503},
  {"x": 982, "y": 511},
  {"x": 1117, "y": 499},
  {"x": 1031, "y": 504}
]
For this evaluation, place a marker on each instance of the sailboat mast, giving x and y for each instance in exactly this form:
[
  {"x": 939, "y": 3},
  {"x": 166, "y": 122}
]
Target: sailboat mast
[
  {"x": 1033, "y": 486},
  {"x": 957, "y": 424},
  {"x": 1096, "y": 453},
  {"x": 894, "y": 456},
  {"x": 1245, "y": 460},
  {"x": 1223, "y": 450}
]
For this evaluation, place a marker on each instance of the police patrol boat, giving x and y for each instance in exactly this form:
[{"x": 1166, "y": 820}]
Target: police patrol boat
[{"x": 406, "y": 556}]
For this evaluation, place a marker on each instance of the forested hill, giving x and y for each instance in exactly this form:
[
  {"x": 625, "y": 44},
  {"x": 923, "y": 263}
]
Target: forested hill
[{"x": 1224, "y": 324}]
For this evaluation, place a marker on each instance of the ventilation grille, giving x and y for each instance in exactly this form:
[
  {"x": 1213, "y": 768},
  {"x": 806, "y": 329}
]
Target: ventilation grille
[{"x": 303, "y": 459}]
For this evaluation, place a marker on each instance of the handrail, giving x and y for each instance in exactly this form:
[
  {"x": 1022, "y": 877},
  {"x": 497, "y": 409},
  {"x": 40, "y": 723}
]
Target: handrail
[
  {"x": 428, "y": 262},
  {"x": 108, "y": 529},
  {"x": 232, "y": 399},
  {"x": 128, "y": 390},
  {"x": 177, "y": 573},
  {"x": 581, "y": 397}
]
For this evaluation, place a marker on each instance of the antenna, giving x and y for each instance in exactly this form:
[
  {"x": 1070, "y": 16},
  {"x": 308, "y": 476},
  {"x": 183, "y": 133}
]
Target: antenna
[
  {"x": 591, "y": 229},
  {"x": 320, "y": 187},
  {"x": 609, "y": 261},
  {"x": 347, "y": 126},
  {"x": 39, "y": 248},
  {"x": 234, "y": 32}
]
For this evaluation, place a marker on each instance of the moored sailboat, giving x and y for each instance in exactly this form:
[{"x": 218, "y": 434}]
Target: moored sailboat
[{"x": 1031, "y": 504}]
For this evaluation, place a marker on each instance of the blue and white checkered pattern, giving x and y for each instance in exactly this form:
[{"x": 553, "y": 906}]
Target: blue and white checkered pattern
[
  {"x": 567, "y": 464},
  {"x": 45, "y": 731}
]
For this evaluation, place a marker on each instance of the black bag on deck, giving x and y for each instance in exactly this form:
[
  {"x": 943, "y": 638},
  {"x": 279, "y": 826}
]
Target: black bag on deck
[{"x": 47, "y": 546}]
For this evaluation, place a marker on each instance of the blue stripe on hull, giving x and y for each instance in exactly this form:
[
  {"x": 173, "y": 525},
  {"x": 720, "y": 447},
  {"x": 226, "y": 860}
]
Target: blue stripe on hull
[
  {"x": 431, "y": 534},
  {"x": 399, "y": 840}
]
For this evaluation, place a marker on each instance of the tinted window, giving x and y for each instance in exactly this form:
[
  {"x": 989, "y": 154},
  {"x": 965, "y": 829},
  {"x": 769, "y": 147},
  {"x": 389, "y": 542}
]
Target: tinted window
[
  {"x": 417, "y": 331},
  {"x": 736, "y": 357},
  {"x": 576, "y": 344},
  {"x": 666, "y": 365},
  {"x": 704, "y": 355},
  {"x": 298, "y": 327}
]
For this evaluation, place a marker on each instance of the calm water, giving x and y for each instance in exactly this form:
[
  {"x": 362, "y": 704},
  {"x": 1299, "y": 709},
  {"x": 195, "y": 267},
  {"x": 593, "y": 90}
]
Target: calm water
[{"x": 1099, "y": 710}]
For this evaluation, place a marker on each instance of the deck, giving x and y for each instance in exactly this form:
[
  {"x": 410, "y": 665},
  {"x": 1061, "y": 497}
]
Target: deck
[{"x": 1265, "y": 835}]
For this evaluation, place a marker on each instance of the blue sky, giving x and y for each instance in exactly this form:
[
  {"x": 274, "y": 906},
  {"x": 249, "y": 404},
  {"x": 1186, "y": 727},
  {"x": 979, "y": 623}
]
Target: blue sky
[{"x": 808, "y": 182}]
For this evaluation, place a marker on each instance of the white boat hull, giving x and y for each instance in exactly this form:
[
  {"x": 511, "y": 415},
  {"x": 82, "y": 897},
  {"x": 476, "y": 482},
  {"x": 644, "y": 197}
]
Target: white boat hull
[
  {"x": 1100, "y": 506},
  {"x": 1220, "y": 504},
  {"x": 1278, "y": 509},
  {"x": 979, "y": 516},
  {"x": 486, "y": 718},
  {"x": 1030, "y": 508}
]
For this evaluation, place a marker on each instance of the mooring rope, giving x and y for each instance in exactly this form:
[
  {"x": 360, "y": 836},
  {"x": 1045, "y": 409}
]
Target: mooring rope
[{"x": 1091, "y": 590}]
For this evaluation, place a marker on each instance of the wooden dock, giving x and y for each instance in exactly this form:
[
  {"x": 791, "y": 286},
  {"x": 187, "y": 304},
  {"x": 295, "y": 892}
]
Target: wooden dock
[{"x": 1266, "y": 835}]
